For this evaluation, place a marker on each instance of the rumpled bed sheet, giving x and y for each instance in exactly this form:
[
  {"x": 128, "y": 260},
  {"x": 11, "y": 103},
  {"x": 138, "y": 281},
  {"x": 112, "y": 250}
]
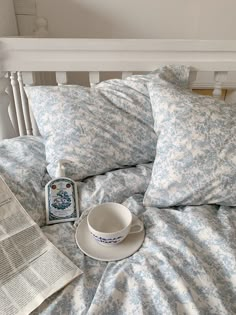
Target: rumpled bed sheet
[{"x": 186, "y": 265}]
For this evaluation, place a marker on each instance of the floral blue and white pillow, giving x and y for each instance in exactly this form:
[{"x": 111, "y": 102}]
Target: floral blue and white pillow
[
  {"x": 97, "y": 129},
  {"x": 195, "y": 161}
]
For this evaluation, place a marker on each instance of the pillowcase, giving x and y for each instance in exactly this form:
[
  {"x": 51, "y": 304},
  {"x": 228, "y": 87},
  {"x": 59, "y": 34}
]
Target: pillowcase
[
  {"x": 97, "y": 129},
  {"x": 195, "y": 161}
]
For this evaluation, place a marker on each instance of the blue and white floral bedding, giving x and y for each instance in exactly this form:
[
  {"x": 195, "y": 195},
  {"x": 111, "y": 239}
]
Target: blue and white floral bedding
[{"x": 186, "y": 265}]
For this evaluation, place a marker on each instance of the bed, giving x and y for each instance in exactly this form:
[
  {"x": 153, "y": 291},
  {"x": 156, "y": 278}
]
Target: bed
[{"x": 144, "y": 140}]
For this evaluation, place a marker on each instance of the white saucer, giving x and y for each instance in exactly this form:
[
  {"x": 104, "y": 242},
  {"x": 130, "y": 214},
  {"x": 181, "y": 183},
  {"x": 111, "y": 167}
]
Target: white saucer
[{"x": 90, "y": 247}]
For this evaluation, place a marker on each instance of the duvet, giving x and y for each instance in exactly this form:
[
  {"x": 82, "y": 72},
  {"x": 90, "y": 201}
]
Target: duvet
[{"x": 186, "y": 264}]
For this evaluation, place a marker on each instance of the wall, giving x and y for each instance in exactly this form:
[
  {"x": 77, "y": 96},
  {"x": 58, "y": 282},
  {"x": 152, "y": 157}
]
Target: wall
[
  {"x": 8, "y": 25},
  {"x": 202, "y": 19}
]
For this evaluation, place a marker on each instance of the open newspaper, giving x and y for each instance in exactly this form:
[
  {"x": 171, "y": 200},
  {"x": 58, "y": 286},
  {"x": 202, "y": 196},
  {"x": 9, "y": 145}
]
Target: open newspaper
[{"x": 31, "y": 267}]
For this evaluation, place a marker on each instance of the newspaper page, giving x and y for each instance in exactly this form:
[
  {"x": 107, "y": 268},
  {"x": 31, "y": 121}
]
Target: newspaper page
[{"x": 31, "y": 267}]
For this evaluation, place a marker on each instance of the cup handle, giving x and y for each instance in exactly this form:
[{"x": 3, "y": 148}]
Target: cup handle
[{"x": 136, "y": 227}]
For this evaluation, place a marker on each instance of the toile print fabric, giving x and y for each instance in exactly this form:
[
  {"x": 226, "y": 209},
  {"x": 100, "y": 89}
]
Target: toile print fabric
[
  {"x": 102, "y": 128},
  {"x": 186, "y": 264},
  {"x": 23, "y": 166},
  {"x": 195, "y": 161}
]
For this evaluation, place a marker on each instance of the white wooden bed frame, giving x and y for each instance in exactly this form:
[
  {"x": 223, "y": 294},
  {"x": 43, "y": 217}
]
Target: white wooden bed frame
[{"x": 21, "y": 58}]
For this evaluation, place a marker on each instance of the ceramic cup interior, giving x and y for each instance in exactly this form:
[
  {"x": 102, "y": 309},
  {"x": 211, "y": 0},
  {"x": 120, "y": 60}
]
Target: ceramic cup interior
[
  {"x": 109, "y": 218},
  {"x": 110, "y": 223}
]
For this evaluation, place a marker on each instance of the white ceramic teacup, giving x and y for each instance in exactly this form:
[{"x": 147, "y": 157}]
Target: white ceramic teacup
[{"x": 110, "y": 223}]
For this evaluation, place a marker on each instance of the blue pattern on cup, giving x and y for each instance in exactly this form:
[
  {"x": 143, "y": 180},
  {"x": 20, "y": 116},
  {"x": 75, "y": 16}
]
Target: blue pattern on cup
[{"x": 108, "y": 240}]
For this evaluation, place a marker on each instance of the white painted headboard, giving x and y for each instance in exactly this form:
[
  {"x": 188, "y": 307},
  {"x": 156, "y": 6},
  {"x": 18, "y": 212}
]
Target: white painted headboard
[{"x": 21, "y": 58}]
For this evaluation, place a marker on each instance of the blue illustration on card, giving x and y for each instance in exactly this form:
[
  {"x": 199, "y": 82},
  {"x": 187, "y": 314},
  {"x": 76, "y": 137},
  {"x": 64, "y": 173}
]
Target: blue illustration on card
[{"x": 62, "y": 201}]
